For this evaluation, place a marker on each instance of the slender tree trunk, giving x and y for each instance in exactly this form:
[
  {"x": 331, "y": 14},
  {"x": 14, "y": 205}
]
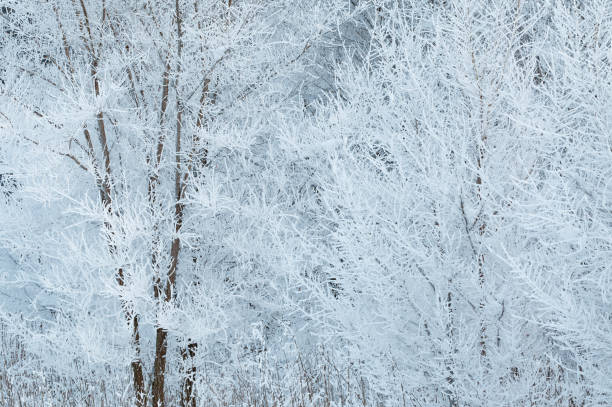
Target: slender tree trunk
[
  {"x": 481, "y": 255},
  {"x": 481, "y": 217},
  {"x": 138, "y": 377},
  {"x": 161, "y": 340},
  {"x": 187, "y": 396},
  {"x": 105, "y": 186},
  {"x": 188, "y": 353},
  {"x": 159, "y": 367}
]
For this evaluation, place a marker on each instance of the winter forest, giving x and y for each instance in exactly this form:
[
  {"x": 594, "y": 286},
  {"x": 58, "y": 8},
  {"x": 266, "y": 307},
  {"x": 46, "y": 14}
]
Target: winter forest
[{"x": 306, "y": 203}]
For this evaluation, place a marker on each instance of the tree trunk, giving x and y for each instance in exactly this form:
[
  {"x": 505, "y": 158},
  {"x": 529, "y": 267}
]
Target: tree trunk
[
  {"x": 138, "y": 377},
  {"x": 159, "y": 369},
  {"x": 104, "y": 184},
  {"x": 161, "y": 340},
  {"x": 187, "y": 396}
]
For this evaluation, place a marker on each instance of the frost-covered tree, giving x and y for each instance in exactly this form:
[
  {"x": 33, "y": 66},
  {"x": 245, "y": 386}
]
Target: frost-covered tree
[
  {"x": 461, "y": 182},
  {"x": 114, "y": 112},
  {"x": 367, "y": 202}
]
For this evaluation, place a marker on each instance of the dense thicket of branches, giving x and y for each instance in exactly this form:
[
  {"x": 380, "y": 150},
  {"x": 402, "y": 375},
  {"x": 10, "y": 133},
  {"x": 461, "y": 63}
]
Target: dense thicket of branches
[{"x": 213, "y": 202}]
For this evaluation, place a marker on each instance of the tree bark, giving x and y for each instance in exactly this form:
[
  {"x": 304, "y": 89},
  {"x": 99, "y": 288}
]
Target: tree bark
[
  {"x": 161, "y": 340},
  {"x": 105, "y": 186},
  {"x": 138, "y": 377},
  {"x": 159, "y": 367},
  {"x": 187, "y": 396}
]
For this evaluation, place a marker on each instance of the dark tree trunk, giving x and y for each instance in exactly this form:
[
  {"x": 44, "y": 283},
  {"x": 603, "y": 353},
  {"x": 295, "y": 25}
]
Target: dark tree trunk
[
  {"x": 187, "y": 396},
  {"x": 159, "y": 368},
  {"x": 138, "y": 377},
  {"x": 161, "y": 340}
]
